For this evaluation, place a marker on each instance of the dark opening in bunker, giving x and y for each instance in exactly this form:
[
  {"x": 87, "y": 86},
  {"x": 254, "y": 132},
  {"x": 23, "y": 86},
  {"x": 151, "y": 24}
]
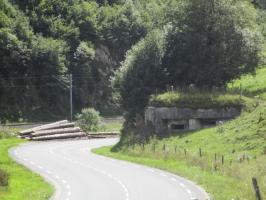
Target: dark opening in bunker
[{"x": 178, "y": 126}]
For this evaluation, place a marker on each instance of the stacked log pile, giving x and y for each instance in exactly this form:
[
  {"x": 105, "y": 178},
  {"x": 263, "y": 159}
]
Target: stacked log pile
[{"x": 58, "y": 130}]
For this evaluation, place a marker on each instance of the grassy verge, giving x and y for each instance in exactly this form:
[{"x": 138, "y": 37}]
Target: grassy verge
[
  {"x": 23, "y": 184},
  {"x": 111, "y": 124},
  {"x": 230, "y": 156},
  {"x": 215, "y": 183}
]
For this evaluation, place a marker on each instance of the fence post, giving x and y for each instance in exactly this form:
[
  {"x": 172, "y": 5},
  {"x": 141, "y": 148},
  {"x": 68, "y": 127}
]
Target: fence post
[
  {"x": 256, "y": 188},
  {"x": 215, "y": 157},
  {"x": 164, "y": 147},
  {"x": 200, "y": 152},
  {"x": 222, "y": 159}
]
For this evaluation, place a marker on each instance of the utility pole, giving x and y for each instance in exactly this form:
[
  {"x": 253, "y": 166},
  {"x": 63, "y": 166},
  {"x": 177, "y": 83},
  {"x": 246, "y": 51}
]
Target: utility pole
[{"x": 71, "y": 99}]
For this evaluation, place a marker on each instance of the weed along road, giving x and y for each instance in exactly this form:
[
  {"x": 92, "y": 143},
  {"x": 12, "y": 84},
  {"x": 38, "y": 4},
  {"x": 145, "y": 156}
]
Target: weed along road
[{"x": 78, "y": 174}]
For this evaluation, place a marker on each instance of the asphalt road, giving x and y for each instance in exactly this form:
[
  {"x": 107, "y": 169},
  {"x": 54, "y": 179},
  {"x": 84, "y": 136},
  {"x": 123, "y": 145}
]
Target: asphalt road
[{"x": 78, "y": 174}]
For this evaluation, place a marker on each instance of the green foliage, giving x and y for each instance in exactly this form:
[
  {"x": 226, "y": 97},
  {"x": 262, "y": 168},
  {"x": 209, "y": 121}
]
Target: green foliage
[
  {"x": 88, "y": 119},
  {"x": 203, "y": 43},
  {"x": 43, "y": 39},
  {"x": 199, "y": 99},
  {"x": 121, "y": 27},
  {"x": 141, "y": 73}
]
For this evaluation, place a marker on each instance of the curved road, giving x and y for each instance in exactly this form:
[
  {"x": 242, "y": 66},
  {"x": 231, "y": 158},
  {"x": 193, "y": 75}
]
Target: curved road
[{"x": 78, "y": 174}]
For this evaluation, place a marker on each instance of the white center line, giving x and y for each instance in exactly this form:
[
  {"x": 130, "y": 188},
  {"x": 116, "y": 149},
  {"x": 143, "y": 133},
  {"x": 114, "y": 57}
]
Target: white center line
[
  {"x": 182, "y": 185},
  {"x": 188, "y": 191}
]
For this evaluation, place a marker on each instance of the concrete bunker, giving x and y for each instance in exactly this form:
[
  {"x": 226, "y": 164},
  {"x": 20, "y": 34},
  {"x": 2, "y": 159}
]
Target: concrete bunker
[{"x": 166, "y": 120}]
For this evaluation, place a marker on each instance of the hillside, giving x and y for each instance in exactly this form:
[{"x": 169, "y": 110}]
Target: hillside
[
  {"x": 222, "y": 159},
  {"x": 252, "y": 85}
]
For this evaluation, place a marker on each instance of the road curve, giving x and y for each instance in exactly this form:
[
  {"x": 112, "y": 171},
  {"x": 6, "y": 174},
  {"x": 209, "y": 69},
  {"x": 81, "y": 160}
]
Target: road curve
[{"x": 78, "y": 174}]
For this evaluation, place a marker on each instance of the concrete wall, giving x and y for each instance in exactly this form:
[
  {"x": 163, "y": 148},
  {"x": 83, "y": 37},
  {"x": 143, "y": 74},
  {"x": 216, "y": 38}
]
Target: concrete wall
[{"x": 162, "y": 117}]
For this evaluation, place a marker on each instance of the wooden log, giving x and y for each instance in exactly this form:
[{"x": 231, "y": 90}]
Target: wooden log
[
  {"x": 60, "y": 136},
  {"x": 43, "y": 127},
  {"x": 55, "y": 131},
  {"x": 104, "y": 133}
]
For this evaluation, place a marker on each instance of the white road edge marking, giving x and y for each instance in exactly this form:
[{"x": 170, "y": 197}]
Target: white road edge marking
[
  {"x": 173, "y": 179},
  {"x": 162, "y": 174}
]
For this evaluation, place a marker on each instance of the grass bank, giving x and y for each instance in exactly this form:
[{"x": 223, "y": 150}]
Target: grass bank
[
  {"x": 222, "y": 159},
  {"x": 22, "y": 183},
  {"x": 252, "y": 85}
]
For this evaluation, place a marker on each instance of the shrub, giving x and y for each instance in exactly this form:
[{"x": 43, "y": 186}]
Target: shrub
[
  {"x": 89, "y": 119},
  {"x": 3, "y": 178}
]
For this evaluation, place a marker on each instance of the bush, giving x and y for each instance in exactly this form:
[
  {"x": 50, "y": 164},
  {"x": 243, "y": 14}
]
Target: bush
[
  {"x": 3, "y": 178},
  {"x": 89, "y": 119}
]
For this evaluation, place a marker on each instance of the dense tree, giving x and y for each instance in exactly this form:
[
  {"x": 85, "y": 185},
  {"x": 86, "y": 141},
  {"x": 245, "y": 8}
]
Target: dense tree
[
  {"x": 142, "y": 72},
  {"x": 42, "y": 41},
  {"x": 214, "y": 40},
  {"x": 121, "y": 27}
]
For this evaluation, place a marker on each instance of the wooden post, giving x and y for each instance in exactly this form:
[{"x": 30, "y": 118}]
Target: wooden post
[
  {"x": 200, "y": 152},
  {"x": 71, "y": 96},
  {"x": 143, "y": 146},
  {"x": 222, "y": 159},
  {"x": 164, "y": 147},
  {"x": 215, "y": 157},
  {"x": 256, "y": 188}
]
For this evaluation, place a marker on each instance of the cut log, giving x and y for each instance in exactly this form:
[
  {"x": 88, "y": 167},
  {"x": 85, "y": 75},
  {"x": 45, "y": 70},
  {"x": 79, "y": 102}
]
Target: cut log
[
  {"x": 104, "y": 133},
  {"x": 57, "y": 126},
  {"x": 60, "y": 136},
  {"x": 55, "y": 131},
  {"x": 43, "y": 127}
]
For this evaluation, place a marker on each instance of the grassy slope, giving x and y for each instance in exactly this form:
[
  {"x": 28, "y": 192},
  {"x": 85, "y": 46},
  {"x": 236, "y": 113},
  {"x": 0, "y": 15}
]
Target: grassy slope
[
  {"x": 252, "y": 85},
  {"x": 244, "y": 136},
  {"x": 23, "y": 184}
]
